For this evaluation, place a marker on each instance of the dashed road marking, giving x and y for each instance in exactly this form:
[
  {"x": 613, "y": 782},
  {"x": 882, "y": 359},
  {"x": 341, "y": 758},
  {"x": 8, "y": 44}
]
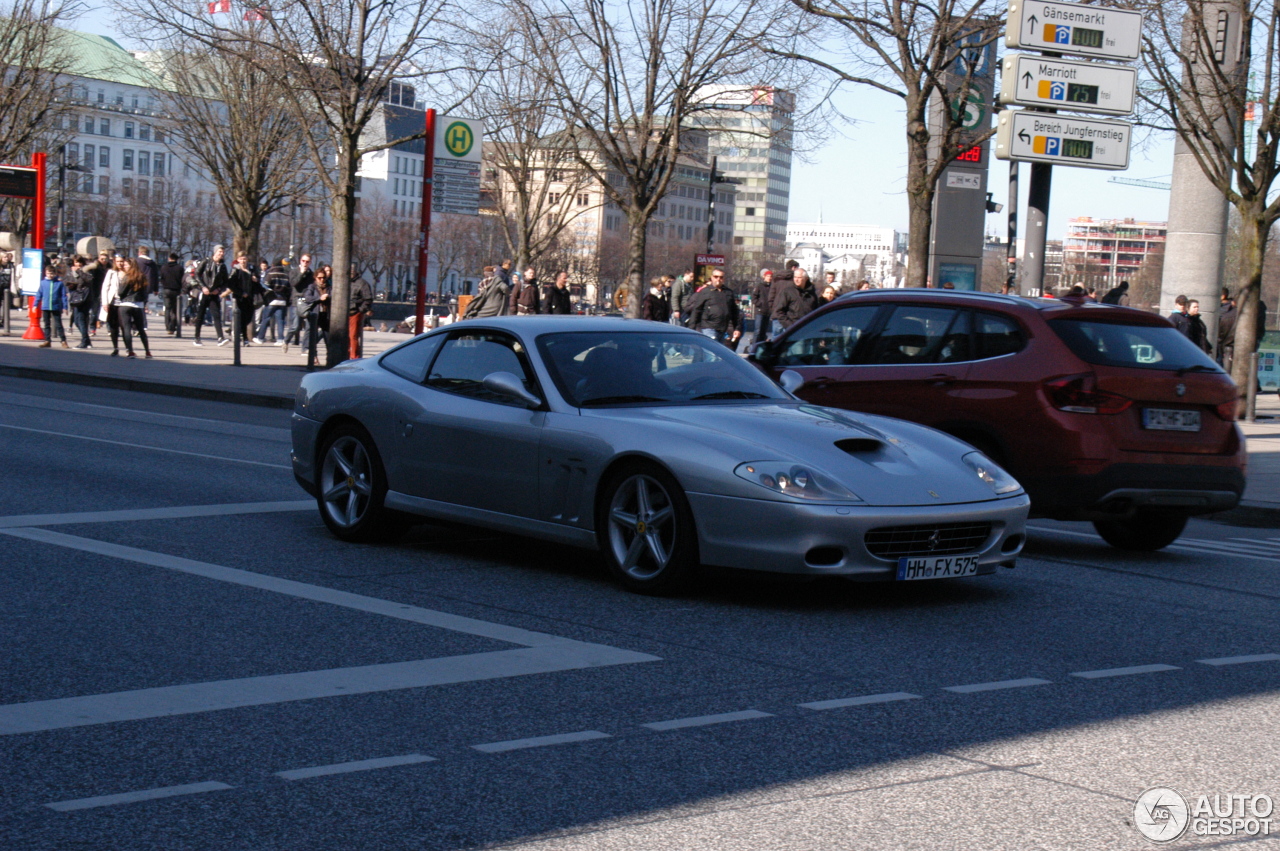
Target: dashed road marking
[
  {"x": 124, "y": 445},
  {"x": 541, "y": 741},
  {"x": 1241, "y": 660},
  {"x": 998, "y": 685},
  {"x": 864, "y": 700},
  {"x": 179, "y": 512},
  {"x": 133, "y": 797},
  {"x": 357, "y": 765},
  {"x": 707, "y": 720},
  {"x": 1124, "y": 672}
]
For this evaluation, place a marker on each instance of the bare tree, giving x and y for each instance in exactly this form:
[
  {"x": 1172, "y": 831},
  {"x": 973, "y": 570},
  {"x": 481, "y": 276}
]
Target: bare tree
[
  {"x": 630, "y": 83},
  {"x": 922, "y": 52},
  {"x": 454, "y": 241},
  {"x": 1204, "y": 100},
  {"x": 338, "y": 60},
  {"x": 383, "y": 241}
]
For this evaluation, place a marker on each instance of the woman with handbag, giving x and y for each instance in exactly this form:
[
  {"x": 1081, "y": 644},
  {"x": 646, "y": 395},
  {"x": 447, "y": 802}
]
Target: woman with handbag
[
  {"x": 132, "y": 303},
  {"x": 79, "y": 284},
  {"x": 110, "y": 298}
]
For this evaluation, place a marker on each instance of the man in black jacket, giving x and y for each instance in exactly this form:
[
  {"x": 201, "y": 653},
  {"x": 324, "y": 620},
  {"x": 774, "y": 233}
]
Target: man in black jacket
[
  {"x": 781, "y": 283},
  {"x": 244, "y": 286},
  {"x": 556, "y": 298},
  {"x": 795, "y": 300},
  {"x": 300, "y": 277},
  {"x": 714, "y": 312},
  {"x": 171, "y": 290},
  {"x": 524, "y": 295},
  {"x": 212, "y": 277},
  {"x": 762, "y": 300}
]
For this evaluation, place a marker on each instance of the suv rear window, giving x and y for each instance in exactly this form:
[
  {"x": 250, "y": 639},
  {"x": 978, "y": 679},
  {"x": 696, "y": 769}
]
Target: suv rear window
[{"x": 1140, "y": 346}]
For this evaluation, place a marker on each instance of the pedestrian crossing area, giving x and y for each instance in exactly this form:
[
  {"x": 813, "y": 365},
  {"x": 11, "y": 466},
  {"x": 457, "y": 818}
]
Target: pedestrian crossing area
[{"x": 1265, "y": 548}]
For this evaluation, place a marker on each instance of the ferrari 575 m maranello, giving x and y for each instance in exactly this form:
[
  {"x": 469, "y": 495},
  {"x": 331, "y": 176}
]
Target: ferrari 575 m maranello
[{"x": 650, "y": 442}]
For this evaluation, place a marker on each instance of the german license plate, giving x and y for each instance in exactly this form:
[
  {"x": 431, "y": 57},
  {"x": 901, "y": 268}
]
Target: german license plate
[
  {"x": 1163, "y": 419},
  {"x": 943, "y": 567}
]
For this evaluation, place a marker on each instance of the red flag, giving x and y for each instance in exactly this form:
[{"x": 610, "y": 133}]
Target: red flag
[
  {"x": 254, "y": 15},
  {"x": 219, "y": 6}
]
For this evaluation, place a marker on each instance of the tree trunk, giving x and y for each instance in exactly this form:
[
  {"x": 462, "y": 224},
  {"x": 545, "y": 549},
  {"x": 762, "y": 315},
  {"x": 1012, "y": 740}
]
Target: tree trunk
[
  {"x": 1254, "y": 230},
  {"x": 919, "y": 204},
  {"x": 342, "y": 209},
  {"x": 636, "y": 243},
  {"x": 245, "y": 240}
]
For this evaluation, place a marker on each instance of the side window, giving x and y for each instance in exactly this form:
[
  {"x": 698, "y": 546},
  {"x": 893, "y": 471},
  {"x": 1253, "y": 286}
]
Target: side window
[
  {"x": 467, "y": 357},
  {"x": 410, "y": 361},
  {"x": 956, "y": 345},
  {"x": 829, "y": 340},
  {"x": 913, "y": 334},
  {"x": 996, "y": 336}
]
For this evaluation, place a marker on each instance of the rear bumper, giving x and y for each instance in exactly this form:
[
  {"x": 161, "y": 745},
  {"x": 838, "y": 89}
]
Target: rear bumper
[
  {"x": 779, "y": 537},
  {"x": 1120, "y": 489}
]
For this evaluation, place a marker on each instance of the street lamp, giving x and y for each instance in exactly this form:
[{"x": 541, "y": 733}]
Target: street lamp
[
  {"x": 293, "y": 227},
  {"x": 63, "y": 168}
]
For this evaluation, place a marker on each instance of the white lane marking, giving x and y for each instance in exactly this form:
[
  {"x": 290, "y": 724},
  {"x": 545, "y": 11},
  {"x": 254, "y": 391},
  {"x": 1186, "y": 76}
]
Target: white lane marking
[
  {"x": 148, "y": 448},
  {"x": 174, "y": 513},
  {"x": 973, "y": 688},
  {"x": 132, "y": 797},
  {"x": 357, "y": 765},
  {"x": 1218, "y": 548},
  {"x": 865, "y": 700},
  {"x": 1124, "y": 672},
  {"x": 707, "y": 720},
  {"x": 541, "y": 653},
  {"x": 112, "y": 412},
  {"x": 541, "y": 741},
  {"x": 1241, "y": 660}
]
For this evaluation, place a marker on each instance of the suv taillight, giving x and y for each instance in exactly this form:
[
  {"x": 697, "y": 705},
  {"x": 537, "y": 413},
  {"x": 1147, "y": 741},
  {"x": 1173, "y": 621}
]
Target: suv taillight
[
  {"x": 1228, "y": 410},
  {"x": 1079, "y": 395}
]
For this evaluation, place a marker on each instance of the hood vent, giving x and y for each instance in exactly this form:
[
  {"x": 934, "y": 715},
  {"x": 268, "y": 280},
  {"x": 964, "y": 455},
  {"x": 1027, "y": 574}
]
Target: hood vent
[{"x": 860, "y": 445}]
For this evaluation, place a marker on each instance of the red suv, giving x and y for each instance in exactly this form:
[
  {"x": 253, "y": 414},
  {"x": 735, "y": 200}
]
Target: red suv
[{"x": 1103, "y": 413}]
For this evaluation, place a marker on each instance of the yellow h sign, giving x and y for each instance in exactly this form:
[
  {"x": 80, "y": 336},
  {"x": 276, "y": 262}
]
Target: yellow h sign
[{"x": 458, "y": 139}]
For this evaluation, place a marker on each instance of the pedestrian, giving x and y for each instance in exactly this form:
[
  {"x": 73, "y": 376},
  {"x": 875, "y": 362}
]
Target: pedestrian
[
  {"x": 504, "y": 273},
  {"x": 655, "y": 306},
  {"x": 524, "y": 294},
  {"x": 828, "y": 295},
  {"x": 1091, "y": 294},
  {"x": 714, "y": 311},
  {"x": 79, "y": 286},
  {"x": 317, "y": 312},
  {"x": 682, "y": 292},
  {"x": 782, "y": 283},
  {"x": 171, "y": 291},
  {"x": 131, "y": 296},
  {"x": 149, "y": 269},
  {"x": 1179, "y": 315},
  {"x": 762, "y": 301},
  {"x": 300, "y": 279},
  {"x": 52, "y": 300},
  {"x": 1227, "y": 316},
  {"x": 277, "y": 296},
  {"x": 359, "y": 307},
  {"x": 831, "y": 282},
  {"x": 492, "y": 298},
  {"x": 98, "y": 270},
  {"x": 242, "y": 282},
  {"x": 795, "y": 300},
  {"x": 212, "y": 277},
  {"x": 1117, "y": 295},
  {"x": 1196, "y": 329},
  {"x": 109, "y": 299},
  {"x": 556, "y": 299}
]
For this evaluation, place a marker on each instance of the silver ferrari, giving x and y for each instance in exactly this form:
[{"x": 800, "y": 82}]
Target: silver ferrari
[{"x": 653, "y": 443}]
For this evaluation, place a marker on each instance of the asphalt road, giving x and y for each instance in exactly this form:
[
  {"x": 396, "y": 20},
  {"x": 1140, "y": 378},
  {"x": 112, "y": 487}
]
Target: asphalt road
[{"x": 189, "y": 661}]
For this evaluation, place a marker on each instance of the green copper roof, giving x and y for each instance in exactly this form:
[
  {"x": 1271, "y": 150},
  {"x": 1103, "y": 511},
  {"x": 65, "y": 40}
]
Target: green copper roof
[{"x": 101, "y": 58}]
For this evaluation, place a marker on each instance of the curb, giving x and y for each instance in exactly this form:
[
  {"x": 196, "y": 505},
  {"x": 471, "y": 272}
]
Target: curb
[{"x": 208, "y": 394}]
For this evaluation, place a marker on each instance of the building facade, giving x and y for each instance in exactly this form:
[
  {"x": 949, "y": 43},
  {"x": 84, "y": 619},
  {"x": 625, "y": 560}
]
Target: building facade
[
  {"x": 854, "y": 252},
  {"x": 1103, "y": 252}
]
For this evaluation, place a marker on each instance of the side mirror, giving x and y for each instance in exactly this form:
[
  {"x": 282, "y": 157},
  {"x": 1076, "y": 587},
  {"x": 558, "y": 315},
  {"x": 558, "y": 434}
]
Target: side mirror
[
  {"x": 790, "y": 380},
  {"x": 508, "y": 385}
]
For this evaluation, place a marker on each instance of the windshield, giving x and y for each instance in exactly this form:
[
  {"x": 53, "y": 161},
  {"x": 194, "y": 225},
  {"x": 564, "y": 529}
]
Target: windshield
[
  {"x": 1140, "y": 346},
  {"x": 606, "y": 368}
]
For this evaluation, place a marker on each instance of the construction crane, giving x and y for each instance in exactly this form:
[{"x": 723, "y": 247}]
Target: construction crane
[{"x": 1148, "y": 184}]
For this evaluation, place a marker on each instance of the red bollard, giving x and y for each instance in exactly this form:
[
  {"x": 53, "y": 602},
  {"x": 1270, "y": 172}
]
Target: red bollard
[{"x": 33, "y": 313}]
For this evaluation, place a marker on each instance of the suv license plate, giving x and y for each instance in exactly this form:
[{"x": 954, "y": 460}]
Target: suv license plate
[
  {"x": 1163, "y": 419},
  {"x": 937, "y": 568}
]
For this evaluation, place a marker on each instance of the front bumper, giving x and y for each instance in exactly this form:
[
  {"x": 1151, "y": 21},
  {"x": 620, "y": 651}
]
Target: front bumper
[
  {"x": 304, "y": 432},
  {"x": 780, "y": 537}
]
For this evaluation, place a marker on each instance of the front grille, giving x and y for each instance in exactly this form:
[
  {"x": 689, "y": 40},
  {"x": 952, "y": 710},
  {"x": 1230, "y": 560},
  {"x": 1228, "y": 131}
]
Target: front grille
[{"x": 942, "y": 539}]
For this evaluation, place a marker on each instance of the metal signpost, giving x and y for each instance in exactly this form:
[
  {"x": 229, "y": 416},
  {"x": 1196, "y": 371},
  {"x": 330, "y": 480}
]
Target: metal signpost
[
  {"x": 1048, "y": 83},
  {"x": 450, "y": 184}
]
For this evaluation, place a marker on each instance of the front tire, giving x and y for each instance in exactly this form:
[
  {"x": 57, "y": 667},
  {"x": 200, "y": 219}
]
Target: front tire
[
  {"x": 353, "y": 486},
  {"x": 645, "y": 528},
  {"x": 1146, "y": 531}
]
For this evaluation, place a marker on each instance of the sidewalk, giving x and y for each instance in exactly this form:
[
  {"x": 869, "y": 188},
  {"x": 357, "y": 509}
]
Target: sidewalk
[{"x": 269, "y": 377}]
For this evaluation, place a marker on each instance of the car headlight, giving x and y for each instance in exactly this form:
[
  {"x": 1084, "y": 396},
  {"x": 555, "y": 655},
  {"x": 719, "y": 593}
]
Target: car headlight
[
  {"x": 795, "y": 480},
  {"x": 991, "y": 474}
]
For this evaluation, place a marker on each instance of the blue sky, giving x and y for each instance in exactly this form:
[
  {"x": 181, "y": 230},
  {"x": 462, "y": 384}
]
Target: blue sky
[{"x": 857, "y": 176}]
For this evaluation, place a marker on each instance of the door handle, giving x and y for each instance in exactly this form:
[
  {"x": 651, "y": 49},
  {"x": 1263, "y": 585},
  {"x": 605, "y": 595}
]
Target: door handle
[{"x": 407, "y": 430}]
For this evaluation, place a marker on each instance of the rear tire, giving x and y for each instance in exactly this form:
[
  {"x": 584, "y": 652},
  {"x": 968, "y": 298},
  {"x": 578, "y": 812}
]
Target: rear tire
[
  {"x": 645, "y": 529},
  {"x": 352, "y": 487},
  {"x": 1147, "y": 530}
]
